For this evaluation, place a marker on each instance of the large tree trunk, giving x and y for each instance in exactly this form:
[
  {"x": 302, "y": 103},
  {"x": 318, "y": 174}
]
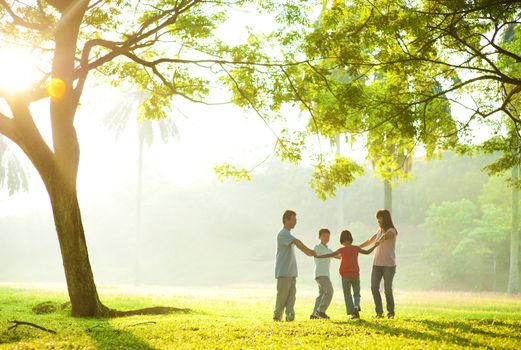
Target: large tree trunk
[
  {"x": 513, "y": 276},
  {"x": 60, "y": 182},
  {"x": 340, "y": 192},
  {"x": 58, "y": 167},
  {"x": 78, "y": 272}
]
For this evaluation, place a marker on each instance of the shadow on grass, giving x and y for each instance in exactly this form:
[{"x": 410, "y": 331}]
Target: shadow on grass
[
  {"x": 472, "y": 326},
  {"x": 444, "y": 331},
  {"x": 105, "y": 336}
]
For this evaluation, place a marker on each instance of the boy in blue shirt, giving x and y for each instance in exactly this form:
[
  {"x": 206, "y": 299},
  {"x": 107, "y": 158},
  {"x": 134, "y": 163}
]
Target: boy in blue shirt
[{"x": 286, "y": 267}]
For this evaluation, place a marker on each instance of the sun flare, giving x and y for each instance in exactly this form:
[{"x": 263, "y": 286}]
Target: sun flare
[{"x": 17, "y": 69}]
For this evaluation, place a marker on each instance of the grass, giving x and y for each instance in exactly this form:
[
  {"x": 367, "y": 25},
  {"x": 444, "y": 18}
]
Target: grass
[{"x": 241, "y": 318}]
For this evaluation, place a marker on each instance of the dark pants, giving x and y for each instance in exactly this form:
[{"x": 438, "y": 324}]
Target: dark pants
[{"x": 387, "y": 273}]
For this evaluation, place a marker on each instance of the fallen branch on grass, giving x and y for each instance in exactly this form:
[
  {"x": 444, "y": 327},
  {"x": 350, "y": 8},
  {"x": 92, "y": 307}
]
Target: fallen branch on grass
[
  {"x": 140, "y": 323},
  {"x": 23, "y": 323}
]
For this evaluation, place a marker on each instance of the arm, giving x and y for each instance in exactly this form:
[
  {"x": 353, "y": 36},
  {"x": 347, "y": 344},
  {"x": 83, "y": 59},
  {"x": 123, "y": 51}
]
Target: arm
[
  {"x": 330, "y": 255},
  {"x": 368, "y": 242},
  {"x": 305, "y": 250},
  {"x": 389, "y": 234},
  {"x": 370, "y": 250}
]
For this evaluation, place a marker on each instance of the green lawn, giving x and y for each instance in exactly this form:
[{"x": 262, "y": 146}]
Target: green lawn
[{"x": 241, "y": 318}]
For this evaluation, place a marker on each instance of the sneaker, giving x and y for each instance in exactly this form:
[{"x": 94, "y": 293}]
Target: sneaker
[
  {"x": 379, "y": 316},
  {"x": 389, "y": 315},
  {"x": 277, "y": 320},
  {"x": 355, "y": 315},
  {"x": 314, "y": 316},
  {"x": 323, "y": 315}
]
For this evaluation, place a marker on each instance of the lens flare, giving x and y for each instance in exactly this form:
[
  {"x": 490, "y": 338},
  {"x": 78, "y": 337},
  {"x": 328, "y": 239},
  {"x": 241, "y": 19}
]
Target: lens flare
[{"x": 56, "y": 88}]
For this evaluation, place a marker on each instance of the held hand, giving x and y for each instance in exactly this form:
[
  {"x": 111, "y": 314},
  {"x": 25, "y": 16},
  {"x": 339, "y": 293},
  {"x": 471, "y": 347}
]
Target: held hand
[{"x": 377, "y": 243}]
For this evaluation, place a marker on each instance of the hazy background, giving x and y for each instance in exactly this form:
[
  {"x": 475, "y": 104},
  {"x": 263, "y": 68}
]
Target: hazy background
[{"x": 453, "y": 221}]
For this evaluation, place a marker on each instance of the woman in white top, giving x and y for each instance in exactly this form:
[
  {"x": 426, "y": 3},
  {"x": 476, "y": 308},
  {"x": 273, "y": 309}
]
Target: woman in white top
[{"x": 384, "y": 264}]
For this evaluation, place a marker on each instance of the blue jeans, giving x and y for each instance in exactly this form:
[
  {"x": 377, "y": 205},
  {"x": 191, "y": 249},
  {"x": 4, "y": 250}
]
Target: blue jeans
[
  {"x": 387, "y": 273},
  {"x": 347, "y": 284}
]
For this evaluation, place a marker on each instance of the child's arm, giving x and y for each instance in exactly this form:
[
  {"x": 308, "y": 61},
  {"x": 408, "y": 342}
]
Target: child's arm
[
  {"x": 369, "y": 241},
  {"x": 370, "y": 250},
  {"x": 305, "y": 250},
  {"x": 330, "y": 255}
]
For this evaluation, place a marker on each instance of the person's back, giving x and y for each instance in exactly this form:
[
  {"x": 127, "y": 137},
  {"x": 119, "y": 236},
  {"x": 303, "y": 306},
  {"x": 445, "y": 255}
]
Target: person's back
[{"x": 349, "y": 261}]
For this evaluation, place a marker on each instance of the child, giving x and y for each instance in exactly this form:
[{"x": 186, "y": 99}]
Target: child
[
  {"x": 350, "y": 271},
  {"x": 325, "y": 288}
]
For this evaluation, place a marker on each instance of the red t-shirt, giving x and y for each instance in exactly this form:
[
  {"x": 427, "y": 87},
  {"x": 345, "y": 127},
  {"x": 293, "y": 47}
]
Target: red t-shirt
[{"x": 349, "y": 263}]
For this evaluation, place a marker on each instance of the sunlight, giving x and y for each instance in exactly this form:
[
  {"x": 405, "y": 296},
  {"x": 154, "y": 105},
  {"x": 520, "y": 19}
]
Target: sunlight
[{"x": 17, "y": 69}]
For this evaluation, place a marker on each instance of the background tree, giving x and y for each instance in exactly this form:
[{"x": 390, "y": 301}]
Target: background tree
[
  {"x": 12, "y": 174},
  {"x": 126, "y": 111}
]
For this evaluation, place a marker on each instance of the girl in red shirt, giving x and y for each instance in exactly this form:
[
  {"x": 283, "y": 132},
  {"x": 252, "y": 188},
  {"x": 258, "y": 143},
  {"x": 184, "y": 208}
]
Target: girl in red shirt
[{"x": 350, "y": 271}]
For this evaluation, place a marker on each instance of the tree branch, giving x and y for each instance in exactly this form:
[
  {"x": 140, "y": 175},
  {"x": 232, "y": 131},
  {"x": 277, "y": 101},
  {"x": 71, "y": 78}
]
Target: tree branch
[
  {"x": 20, "y": 323},
  {"x": 60, "y": 5},
  {"x": 20, "y": 21},
  {"x": 7, "y": 127}
]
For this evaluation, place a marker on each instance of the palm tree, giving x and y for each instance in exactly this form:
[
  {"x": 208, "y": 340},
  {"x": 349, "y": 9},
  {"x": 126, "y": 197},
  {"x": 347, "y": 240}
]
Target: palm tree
[
  {"x": 12, "y": 173},
  {"x": 117, "y": 120}
]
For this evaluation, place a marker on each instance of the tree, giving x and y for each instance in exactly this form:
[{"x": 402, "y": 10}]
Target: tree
[
  {"x": 151, "y": 52},
  {"x": 11, "y": 170},
  {"x": 513, "y": 280},
  {"x": 118, "y": 120}
]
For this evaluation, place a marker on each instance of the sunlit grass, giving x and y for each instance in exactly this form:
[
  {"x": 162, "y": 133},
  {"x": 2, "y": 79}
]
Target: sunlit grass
[{"x": 241, "y": 318}]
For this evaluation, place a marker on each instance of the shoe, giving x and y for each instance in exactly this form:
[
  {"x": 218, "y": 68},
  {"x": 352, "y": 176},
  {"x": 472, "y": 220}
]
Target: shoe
[
  {"x": 389, "y": 316},
  {"x": 323, "y": 315},
  {"x": 379, "y": 316},
  {"x": 277, "y": 320},
  {"x": 290, "y": 319},
  {"x": 314, "y": 316},
  {"x": 355, "y": 315}
]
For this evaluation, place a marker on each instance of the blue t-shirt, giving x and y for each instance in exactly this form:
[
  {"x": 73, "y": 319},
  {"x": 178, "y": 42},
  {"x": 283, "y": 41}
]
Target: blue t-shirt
[{"x": 286, "y": 264}]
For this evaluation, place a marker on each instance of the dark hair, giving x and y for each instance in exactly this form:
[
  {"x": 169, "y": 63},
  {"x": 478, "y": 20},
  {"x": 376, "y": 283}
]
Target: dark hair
[
  {"x": 288, "y": 214},
  {"x": 346, "y": 236},
  {"x": 322, "y": 231},
  {"x": 387, "y": 221}
]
